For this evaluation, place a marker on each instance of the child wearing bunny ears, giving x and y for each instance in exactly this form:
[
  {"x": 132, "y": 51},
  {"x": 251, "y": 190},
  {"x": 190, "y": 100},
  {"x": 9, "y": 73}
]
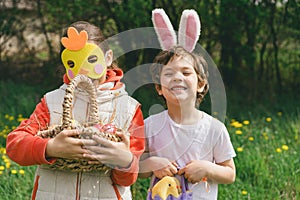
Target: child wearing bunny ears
[
  {"x": 84, "y": 51},
  {"x": 183, "y": 140}
]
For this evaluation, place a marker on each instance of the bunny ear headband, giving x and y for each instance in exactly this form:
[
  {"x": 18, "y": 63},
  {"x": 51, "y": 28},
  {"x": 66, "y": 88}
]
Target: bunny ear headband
[{"x": 188, "y": 33}]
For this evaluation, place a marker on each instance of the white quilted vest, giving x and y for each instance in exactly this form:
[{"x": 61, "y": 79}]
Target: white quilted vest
[{"x": 55, "y": 184}]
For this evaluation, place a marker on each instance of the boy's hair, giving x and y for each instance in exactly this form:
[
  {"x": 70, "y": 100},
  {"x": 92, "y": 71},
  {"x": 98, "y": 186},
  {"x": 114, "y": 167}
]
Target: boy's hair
[
  {"x": 94, "y": 34},
  {"x": 199, "y": 63}
]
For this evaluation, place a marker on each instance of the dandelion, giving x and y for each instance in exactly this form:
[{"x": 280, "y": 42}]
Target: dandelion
[
  {"x": 14, "y": 171},
  {"x": 268, "y": 119},
  {"x": 251, "y": 138},
  {"x": 285, "y": 147},
  {"x": 21, "y": 171},
  {"x": 6, "y": 160},
  {"x": 238, "y": 132},
  {"x": 265, "y": 136},
  {"x": 278, "y": 150},
  {"x": 279, "y": 114},
  {"x": 20, "y": 118},
  {"x": 246, "y": 122},
  {"x": 236, "y": 124},
  {"x": 2, "y": 151},
  {"x": 2, "y": 168},
  {"x": 244, "y": 192},
  {"x": 7, "y": 165},
  {"x": 11, "y": 118},
  {"x": 239, "y": 149}
]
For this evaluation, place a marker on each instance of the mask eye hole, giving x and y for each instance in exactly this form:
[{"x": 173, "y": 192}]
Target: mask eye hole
[
  {"x": 92, "y": 59},
  {"x": 70, "y": 63}
]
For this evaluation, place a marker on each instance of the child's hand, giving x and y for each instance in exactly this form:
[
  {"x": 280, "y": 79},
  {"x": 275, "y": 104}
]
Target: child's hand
[
  {"x": 195, "y": 170},
  {"x": 64, "y": 145},
  {"x": 108, "y": 152},
  {"x": 163, "y": 167}
]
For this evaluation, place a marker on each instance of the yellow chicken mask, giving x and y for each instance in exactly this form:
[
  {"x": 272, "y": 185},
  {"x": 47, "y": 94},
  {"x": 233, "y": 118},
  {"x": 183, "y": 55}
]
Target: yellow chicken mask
[{"x": 81, "y": 57}]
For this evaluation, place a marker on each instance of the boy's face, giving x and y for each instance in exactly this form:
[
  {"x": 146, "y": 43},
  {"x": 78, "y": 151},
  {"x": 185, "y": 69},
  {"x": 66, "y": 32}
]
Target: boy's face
[{"x": 179, "y": 82}]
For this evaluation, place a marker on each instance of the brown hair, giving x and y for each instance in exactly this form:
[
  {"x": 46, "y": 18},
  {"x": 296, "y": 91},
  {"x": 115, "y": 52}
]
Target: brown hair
[
  {"x": 199, "y": 63},
  {"x": 94, "y": 34}
]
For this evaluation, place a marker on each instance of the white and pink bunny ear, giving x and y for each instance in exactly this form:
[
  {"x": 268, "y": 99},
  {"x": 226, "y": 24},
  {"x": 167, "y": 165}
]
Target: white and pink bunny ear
[
  {"x": 164, "y": 29},
  {"x": 189, "y": 29}
]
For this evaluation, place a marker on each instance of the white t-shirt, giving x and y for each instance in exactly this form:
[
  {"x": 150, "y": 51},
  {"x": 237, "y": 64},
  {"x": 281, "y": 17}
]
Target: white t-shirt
[{"x": 208, "y": 140}]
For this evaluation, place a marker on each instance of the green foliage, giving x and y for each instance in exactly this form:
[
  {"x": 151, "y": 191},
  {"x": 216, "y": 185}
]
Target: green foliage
[
  {"x": 16, "y": 97},
  {"x": 254, "y": 43}
]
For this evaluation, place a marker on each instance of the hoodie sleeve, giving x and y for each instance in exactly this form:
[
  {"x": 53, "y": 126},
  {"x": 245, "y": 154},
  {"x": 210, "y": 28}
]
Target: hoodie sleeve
[
  {"x": 128, "y": 176},
  {"x": 22, "y": 144}
]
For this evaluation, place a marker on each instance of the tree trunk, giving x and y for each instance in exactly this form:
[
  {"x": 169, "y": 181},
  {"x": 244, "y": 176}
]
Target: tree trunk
[{"x": 275, "y": 46}]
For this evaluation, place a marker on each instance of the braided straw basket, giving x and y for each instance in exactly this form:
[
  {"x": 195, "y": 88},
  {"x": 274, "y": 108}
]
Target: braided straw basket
[{"x": 87, "y": 130}]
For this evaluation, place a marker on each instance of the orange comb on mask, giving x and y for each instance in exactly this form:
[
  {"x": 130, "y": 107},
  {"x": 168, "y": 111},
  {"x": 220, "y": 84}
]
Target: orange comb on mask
[{"x": 75, "y": 41}]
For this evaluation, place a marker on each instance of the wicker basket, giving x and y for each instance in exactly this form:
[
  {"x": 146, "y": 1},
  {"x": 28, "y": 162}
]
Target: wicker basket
[{"x": 87, "y": 130}]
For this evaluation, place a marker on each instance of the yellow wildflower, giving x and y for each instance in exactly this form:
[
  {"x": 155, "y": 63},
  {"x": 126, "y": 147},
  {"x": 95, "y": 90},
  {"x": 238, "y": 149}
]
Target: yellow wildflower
[
  {"x": 244, "y": 192},
  {"x": 285, "y": 147},
  {"x": 268, "y": 119},
  {"x": 265, "y": 136},
  {"x": 1, "y": 172},
  {"x": 2, "y": 150},
  {"x": 7, "y": 165},
  {"x": 236, "y": 124},
  {"x": 278, "y": 150},
  {"x": 21, "y": 171},
  {"x": 21, "y": 118},
  {"x": 246, "y": 122},
  {"x": 239, "y": 149},
  {"x": 14, "y": 171},
  {"x": 238, "y": 132},
  {"x": 2, "y": 168},
  {"x": 251, "y": 138},
  {"x": 279, "y": 113}
]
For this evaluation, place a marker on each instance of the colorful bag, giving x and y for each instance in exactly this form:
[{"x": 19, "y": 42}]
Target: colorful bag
[{"x": 170, "y": 188}]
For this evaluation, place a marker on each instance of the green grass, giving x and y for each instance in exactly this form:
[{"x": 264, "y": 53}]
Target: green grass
[{"x": 265, "y": 136}]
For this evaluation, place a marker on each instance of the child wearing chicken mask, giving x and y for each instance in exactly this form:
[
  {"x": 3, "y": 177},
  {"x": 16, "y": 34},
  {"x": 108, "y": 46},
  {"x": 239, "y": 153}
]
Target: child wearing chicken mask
[{"x": 84, "y": 51}]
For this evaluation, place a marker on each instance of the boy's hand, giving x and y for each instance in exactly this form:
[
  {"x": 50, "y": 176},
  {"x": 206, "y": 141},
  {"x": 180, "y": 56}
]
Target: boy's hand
[
  {"x": 163, "y": 167},
  {"x": 195, "y": 170},
  {"x": 65, "y": 145}
]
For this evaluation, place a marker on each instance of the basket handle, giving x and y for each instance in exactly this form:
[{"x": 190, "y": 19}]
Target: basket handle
[{"x": 85, "y": 83}]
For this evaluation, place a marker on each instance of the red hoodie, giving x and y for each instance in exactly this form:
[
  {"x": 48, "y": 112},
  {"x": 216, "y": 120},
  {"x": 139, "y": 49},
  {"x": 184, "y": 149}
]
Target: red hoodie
[{"x": 23, "y": 147}]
